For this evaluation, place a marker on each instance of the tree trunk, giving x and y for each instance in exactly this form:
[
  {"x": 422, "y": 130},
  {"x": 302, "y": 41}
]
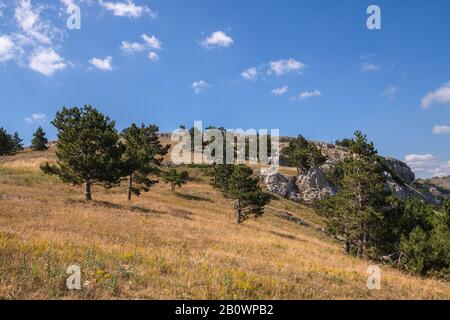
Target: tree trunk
[
  {"x": 347, "y": 247},
  {"x": 172, "y": 187},
  {"x": 130, "y": 185},
  {"x": 87, "y": 191},
  {"x": 361, "y": 243},
  {"x": 237, "y": 207}
]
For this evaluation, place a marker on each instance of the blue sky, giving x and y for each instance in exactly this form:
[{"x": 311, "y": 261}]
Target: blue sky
[{"x": 309, "y": 67}]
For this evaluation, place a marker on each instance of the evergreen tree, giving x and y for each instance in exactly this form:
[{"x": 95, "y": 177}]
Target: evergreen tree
[
  {"x": 143, "y": 154},
  {"x": 221, "y": 175},
  {"x": 354, "y": 213},
  {"x": 17, "y": 142},
  {"x": 238, "y": 183},
  {"x": 175, "y": 178},
  {"x": 39, "y": 141},
  {"x": 89, "y": 151},
  {"x": 302, "y": 154},
  {"x": 6, "y": 143}
]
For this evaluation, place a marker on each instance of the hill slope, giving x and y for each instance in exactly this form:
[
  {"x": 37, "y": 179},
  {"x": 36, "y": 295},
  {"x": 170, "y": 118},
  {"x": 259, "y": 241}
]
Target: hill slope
[{"x": 164, "y": 245}]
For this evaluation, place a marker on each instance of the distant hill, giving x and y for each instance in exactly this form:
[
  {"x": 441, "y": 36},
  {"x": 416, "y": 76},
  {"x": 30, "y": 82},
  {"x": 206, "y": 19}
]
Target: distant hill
[{"x": 443, "y": 182}]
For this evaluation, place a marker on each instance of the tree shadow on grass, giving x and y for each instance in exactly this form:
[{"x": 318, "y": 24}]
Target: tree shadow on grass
[
  {"x": 192, "y": 197},
  {"x": 115, "y": 206}
]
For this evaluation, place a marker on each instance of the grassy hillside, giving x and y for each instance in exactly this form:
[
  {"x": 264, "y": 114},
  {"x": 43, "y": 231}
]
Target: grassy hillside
[{"x": 177, "y": 246}]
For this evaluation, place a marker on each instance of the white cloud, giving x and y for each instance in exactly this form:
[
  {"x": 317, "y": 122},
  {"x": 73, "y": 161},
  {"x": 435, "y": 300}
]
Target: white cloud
[
  {"x": 439, "y": 96},
  {"x": 153, "y": 56},
  {"x": 131, "y": 47},
  {"x": 37, "y": 117},
  {"x": 200, "y": 86},
  {"x": 280, "y": 91},
  {"x": 152, "y": 41},
  {"x": 250, "y": 74},
  {"x": 127, "y": 9},
  {"x": 441, "y": 129},
  {"x": 427, "y": 165},
  {"x": 217, "y": 39},
  {"x": 7, "y": 49},
  {"x": 28, "y": 19},
  {"x": 102, "y": 64},
  {"x": 282, "y": 67},
  {"x": 309, "y": 94},
  {"x": 46, "y": 61},
  {"x": 390, "y": 92}
]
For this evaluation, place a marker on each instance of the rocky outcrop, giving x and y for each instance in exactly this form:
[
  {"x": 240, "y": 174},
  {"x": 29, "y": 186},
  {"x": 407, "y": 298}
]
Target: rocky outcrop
[
  {"x": 283, "y": 186},
  {"x": 307, "y": 188},
  {"x": 313, "y": 186},
  {"x": 401, "y": 170}
]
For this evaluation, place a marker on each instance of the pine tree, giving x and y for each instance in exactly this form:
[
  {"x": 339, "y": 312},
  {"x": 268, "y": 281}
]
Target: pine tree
[
  {"x": 39, "y": 141},
  {"x": 239, "y": 183},
  {"x": 302, "y": 155},
  {"x": 175, "y": 178},
  {"x": 17, "y": 142},
  {"x": 354, "y": 213},
  {"x": 143, "y": 154},
  {"x": 89, "y": 151},
  {"x": 6, "y": 143}
]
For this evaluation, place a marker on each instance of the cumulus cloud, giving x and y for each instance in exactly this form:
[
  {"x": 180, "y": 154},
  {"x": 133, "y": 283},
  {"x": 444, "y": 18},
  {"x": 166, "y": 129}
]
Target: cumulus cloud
[
  {"x": 102, "y": 64},
  {"x": 308, "y": 94},
  {"x": 127, "y": 9},
  {"x": 152, "y": 41},
  {"x": 217, "y": 39},
  {"x": 439, "y": 96},
  {"x": 200, "y": 86},
  {"x": 153, "y": 56},
  {"x": 280, "y": 91},
  {"x": 46, "y": 62},
  {"x": 441, "y": 129},
  {"x": 36, "y": 117},
  {"x": 427, "y": 165},
  {"x": 282, "y": 67},
  {"x": 250, "y": 74}
]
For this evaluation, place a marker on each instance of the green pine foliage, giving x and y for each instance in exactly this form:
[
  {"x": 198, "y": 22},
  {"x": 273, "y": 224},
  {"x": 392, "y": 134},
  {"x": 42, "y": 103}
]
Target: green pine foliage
[
  {"x": 89, "y": 151},
  {"x": 175, "y": 178},
  {"x": 39, "y": 141},
  {"x": 9, "y": 144},
  {"x": 373, "y": 223},
  {"x": 238, "y": 182},
  {"x": 354, "y": 213},
  {"x": 302, "y": 154},
  {"x": 142, "y": 157}
]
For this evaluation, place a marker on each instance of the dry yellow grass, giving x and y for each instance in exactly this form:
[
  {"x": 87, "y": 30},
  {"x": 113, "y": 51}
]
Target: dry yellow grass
[{"x": 171, "y": 246}]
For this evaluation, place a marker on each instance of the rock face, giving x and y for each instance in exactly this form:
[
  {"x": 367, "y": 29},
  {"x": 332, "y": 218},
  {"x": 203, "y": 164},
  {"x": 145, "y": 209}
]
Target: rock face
[
  {"x": 307, "y": 188},
  {"x": 283, "y": 186},
  {"x": 401, "y": 169},
  {"x": 313, "y": 186}
]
